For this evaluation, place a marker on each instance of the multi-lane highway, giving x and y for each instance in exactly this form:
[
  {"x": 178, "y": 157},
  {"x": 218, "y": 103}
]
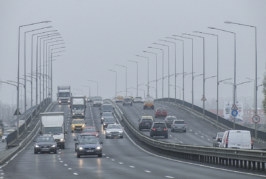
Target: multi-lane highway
[
  {"x": 122, "y": 158},
  {"x": 199, "y": 132}
]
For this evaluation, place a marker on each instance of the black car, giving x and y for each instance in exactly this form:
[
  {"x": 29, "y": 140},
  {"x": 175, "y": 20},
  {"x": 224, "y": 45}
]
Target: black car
[
  {"x": 45, "y": 144},
  {"x": 169, "y": 120},
  {"x": 80, "y": 137},
  {"x": 89, "y": 146},
  {"x": 159, "y": 129},
  {"x": 145, "y": 122},
  {"x": 106, "y": 115},
  {"x": 109, "y": 120}
]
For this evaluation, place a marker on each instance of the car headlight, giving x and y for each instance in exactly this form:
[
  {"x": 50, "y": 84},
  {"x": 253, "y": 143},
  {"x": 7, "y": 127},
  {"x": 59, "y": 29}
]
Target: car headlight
[
  {"x": 53, "y": 146},
  {"x": 37, "y": 146},
  {"x": 108, "y": 132},
  {"x": 81, "y": 148},
  {"x": 102, "y": 118},
  {"x": 82, "y": 114},
  {"x": 59, "y": 101},
  {"x": 98, "y": 148},
  {"x": 62, "y": 140},
  {"x": 121, "y": 132},
  {"x": 68, "y": 101},
  {"x": 83, "y": 125},
  {"x": 73, "y": 113}
]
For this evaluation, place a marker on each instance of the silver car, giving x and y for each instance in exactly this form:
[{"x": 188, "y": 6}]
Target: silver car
[
  {"x": 178, "y": 125},
  {"x": 114, "y": 131}
]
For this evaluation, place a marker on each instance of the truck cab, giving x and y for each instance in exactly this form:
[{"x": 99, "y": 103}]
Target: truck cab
[
  {"x": 78, "y": 107},
  {"x": 63, "y": 94}
]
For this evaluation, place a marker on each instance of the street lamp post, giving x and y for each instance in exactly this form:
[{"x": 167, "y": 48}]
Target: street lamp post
[
  {"x": 234, "y": 87},
  {"x": 256, "y": 68},
  {"x": 192, "y": 66},
  {"x": 125, "y": 67},
  {"x": 148, "y": 73},
  {"x": 203, "y": 70},
  {"x": 156, "y": 74},
  {"x": 162, "y": 67},
  {"x": 137, "y": 64},
  {"x": 115, "y": 81},
  {"x": 168, "y": 48}
]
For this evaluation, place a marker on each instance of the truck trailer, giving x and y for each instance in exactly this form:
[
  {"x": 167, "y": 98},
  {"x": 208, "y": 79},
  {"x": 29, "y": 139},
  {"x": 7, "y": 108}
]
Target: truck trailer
[{"x": 78, "y": 107}]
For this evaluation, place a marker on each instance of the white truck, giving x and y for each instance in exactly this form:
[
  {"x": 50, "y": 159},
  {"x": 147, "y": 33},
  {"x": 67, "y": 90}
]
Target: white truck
[
  {"x": 53, "y": 123},
  {"x": 63, "y": 94},
  {"x": 78, "y": 107}
]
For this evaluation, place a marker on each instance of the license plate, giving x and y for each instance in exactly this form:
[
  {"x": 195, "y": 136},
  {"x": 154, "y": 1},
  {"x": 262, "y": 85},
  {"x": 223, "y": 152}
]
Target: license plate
[
  {"x": 90, "y": 151},
  {"x": 45, "y": 149}
]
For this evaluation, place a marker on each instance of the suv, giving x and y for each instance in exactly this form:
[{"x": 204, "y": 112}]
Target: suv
[
  {"x": 169, "y": 120},
  {"x": 145, "y": 122},
  {"x": 159, "y": 129},
  {"x": 178, "y": 125},
  {"x": 127, "y": 101}
]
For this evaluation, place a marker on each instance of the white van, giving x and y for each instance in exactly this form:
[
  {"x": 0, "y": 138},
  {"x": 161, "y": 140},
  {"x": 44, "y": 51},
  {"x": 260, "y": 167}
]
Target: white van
[{"x": 239, "y": 139}]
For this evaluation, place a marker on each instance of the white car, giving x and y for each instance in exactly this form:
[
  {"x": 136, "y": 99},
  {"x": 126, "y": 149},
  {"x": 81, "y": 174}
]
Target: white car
[
  {"x": 138, "y": 100},
  {"x": 114, "y": 131},
  {"x": 238, "y": 139}
]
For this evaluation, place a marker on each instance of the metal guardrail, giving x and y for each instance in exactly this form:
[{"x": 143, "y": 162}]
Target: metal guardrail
[
  {"x": 260, "y": 134},
  {"x": 27, "y": 117},
  {"x": 247, "y": 159}
]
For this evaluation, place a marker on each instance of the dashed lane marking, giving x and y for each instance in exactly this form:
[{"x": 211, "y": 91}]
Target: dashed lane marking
[
  {"x": 69, "y": 168},
  {"x": 147, "y": 171},
  {"x": 121, "y": 163},
  {"x": 169, "y": 177},
  {"x": 131, "y": 166},
  {"x": 75, "y": 174},
  {"x": 65, "y": 165}
]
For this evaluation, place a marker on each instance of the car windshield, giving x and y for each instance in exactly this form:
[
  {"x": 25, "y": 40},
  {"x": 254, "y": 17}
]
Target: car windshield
[
  {"x": 64, "y": 94},
  {"x": 179, "y": 122},
  {"x": 89, "y": 130},
  {"x": 78, "y": 107},
  {"x": 114, "y": 127},
  {"x": 106, "y": 114},
  {"x": 107, "y": 107},
  {"x": 45, "y": 139},
  {"x": 146, "y": 120},
  {"x": 52, "y": 130},
  {"x": 110, "y": 119},
  {"x": 78, "y": 122},
  {"x": 89, "y": 140}
]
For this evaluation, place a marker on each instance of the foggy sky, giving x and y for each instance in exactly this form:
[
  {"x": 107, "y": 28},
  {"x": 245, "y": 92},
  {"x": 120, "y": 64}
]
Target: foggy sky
[{"x": 101, "y": 33}]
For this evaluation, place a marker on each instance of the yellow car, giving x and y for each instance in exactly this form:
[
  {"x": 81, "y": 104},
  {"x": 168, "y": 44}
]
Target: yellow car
[
  {"x": 148, "y": 103},
  {"x": 77, "y": 125}
]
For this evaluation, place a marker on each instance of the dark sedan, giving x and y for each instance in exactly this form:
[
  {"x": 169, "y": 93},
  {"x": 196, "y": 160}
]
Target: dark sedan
[
  {"x": 89, "y": 146},
  {"x": 45, "y": 144}
]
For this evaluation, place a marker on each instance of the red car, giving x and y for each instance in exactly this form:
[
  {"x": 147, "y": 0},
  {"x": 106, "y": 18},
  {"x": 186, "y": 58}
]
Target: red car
[
  {"x": 91, "y": 130},
  {"x": 160, "y": 112}
]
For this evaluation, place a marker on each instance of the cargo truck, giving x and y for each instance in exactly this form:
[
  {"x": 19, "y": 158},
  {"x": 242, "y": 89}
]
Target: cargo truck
[
  {"x": 53, "y": 123},
  {"x": 63, "y": 94},
  {"x": 78, "y": 107}
]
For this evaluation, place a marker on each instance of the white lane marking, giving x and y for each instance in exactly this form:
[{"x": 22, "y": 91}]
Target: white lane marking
[
  {"x": 69, "y": 168},
  {"x": 61, "y": 161},
  {"x": 2, "y": 173},
  {"x": 113, "y": 159},
  {"x": 131, "y": 166},
  {"x": 202, "y": 136},
  {"x": 189, "y": 163},
  {"x": 169, "y": 177},
  {"x": 75, "y": 174},
  {"x": 147, "y": 171},
  {"x": 107, "y": 157},
  {"x": 121, "y": 163},
  {"x": 65, "y": 165},
  {"x": 103, "y": 154}
]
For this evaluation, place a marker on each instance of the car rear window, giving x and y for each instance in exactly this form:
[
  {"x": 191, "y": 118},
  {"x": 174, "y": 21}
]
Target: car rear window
[
  {"x": 179, "y": 122},
  {"x": 146, "y": 120},
  {"x": 157, "y": 125},
  {"x": 170, "y": 119}
]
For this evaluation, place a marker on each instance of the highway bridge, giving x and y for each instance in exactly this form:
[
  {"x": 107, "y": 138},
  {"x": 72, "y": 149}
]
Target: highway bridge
[{"x": 122, "y": 158}]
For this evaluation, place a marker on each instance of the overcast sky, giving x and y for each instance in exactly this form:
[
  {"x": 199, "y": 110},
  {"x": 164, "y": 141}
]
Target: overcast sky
[{"x": 101, "y": 33}]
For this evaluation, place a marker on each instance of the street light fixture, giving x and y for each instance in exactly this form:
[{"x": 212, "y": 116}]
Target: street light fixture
[
  {"x": 162, "y": 50},
  {"x": 137, "y": 79},
  {"x": 168, "y": 48},
  {"x": 148, "y": 72},
  {"x": 156, "y": 74}
]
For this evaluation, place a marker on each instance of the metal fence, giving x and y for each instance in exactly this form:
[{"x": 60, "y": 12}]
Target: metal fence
[
  {"x": 260, "y": 134},
  {"x": 27, "y": 117}
]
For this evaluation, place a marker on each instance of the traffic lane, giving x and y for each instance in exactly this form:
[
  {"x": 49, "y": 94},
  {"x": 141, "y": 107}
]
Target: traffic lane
[
  {"x": 29, "y": 165},
  {"x": 211, "y": 132},
  {"x": 196, "y": 127},
  {"x": 124, "y": 153},
  {"x": 191, "y": 138}
]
